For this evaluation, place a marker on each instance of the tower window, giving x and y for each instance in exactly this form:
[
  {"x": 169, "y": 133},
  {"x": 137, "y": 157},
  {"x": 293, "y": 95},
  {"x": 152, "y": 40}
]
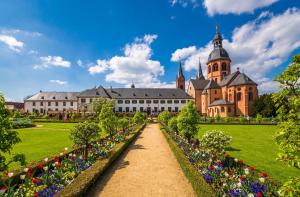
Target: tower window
[
  {"x": 224, "y": 67},
  {"x": 209, "y": 69},
  {"x": 215, "y": 67},
  {"x": 250, "y": 96},
  {"x": 239, "y": 96}
]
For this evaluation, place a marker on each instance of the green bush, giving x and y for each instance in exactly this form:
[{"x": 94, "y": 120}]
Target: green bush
[
  {"x": 218, "y": 118},
  {"x": 164, "y": 117},
  {"x": 18, "y": 123},
  {"x": 139, "y": 117},
  {"x": 242, "y": 119},
  {"x": 173, "y": 124}
]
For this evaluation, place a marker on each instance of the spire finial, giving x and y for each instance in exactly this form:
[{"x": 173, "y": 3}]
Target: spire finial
[{"x": 217, "y": 26}]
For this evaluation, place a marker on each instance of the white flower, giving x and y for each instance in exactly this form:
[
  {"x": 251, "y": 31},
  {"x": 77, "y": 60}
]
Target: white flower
[
  {"x": 250, "y": 195},
  {"x": 10, "y": 174},
  {"x": 66, "y": 148},
  {"x": 46, "y": 159},
  {"x": 262, "y": 179},
  {"x": 224, "y": 184},
  {"x": 22, "y": 177},
  {"x": 80, "y": 157},
  {"x": 25, "y": 169},
  {"x": 70, "y": 154},
  {"x": 236, "y": 160},
  {"x": 45, "y": 168},
  {"x": 226, "y": 174},
  {"x": 246, "y": 171},
  {"x": 61, "y": 154},
  {"x": 210, "y": 160},
  {"x": 239, "y": 184},
  {"x": 56, "y": 163}
]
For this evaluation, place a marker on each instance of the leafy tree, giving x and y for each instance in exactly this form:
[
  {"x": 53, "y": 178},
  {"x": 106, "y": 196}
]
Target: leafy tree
[
  {"x": 83, "y": 134},
  {"x": 187, "y": 120},
  {"x": 164, "y": 117},
  {"x": 108, "y": 120},
  {"x": 264, "y": 106},
  {"x": 139, "y": 117},
  {"x": 288, "y": 110},
  {"x": 73, "y": 117},
  {"x": 258, "y": 118},
  {"x": 172, "y": 124},
  {"x": 8, "y": 138},
  {"x": 123, "y": 123},
  {"x": 98, "y": 103}
]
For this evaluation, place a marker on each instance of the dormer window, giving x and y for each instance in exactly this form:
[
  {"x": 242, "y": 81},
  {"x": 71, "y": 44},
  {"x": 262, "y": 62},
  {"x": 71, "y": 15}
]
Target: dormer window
[
  {"x": 42, "y": 97},
  {"x": 53, "y": 98},
  {"x": 97, "y": 93},
  {"x": 66, "y": 98},
  {"x": 146, "y": 94}
]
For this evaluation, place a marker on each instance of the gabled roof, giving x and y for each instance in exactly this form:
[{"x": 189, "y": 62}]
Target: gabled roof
[
  {"x": 212, "y": 85},
  {"x": 95, "y": 92},
  {"x": 148, "y": 93},
  {"x": 227, "y": 79},
  {"x": 17, "y": 105},
  {"x": 199, "y": 84},
  {"x": 219, "y": 102},
  {"x": 53, "y": 96},
  {"x": 242, "y": 79}
]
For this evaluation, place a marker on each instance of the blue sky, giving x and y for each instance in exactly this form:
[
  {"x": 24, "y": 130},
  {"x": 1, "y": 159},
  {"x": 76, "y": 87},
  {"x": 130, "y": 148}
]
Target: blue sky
[{"x": 60, "y": 45}]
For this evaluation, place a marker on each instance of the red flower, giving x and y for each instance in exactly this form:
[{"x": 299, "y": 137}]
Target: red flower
[
  {"x": 263, "y": 174},
  {"x": 36, "y": 194},
  {"x": 73, "y": 157},
  {"x": 78, "y": 151},
  {"x": 56, "y": 159},
  {"x": 242, "y": 178},
  {"x": 59, "y": 165},
  {"x": 241, "y": 162},
  {"x": 219, "y": 162},
  {"x": 259, "y": 194},
  {"x": 4, "y": 189},
  {"x": 29, "y": 174},
  {"x": 40, "y": 166},
  {"x": 212, "y": 167},
  {"x": 251, "y": 168},
  {"x": 29, "y": 167},
  {"x": 35, "y": 180}
]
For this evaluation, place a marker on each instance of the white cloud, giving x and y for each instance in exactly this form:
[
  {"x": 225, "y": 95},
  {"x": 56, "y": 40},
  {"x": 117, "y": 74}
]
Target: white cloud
[
  {"x": 234, "y": 6},
  {"x": 184, "y": 3},
  {"x": 257, "y": 47},
  {"x": 52, "y": 61},
  {"x": 59, "y": 82},
  {"x": 135, "y": 65},
  {"x": 11, "y": 42},
  {"x": 79, "y": 63}
]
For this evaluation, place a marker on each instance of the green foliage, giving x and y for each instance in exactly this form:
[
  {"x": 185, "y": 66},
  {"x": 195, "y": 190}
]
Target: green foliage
[
  {"x": 108, "y": 120},
  {"x": 18, "y": 123},
  {"x": 33, "y": 115},
  {"x": 264, "y": 106},
  {"x": 139, "y": 117},
  {"x": 187, "y": 120},
  {"x": 288, "y": 109},
  {"x": 123, "y": 124},
  {"x": 73, "y": 117},
  {"x": 84, "y": 133},
  {"x": 172, "y": 124},
  {"x": 8, "y": 137},
  {"x": 215, "y": 141},
  {"x": 242, "y": 119},
  {"x": 218, "y": 118},
  {"x": 98, "y": 104},
  {"x": 258, "y": 118},
  {"x": 164, "y": 117},
  {"x": 291, "y": 187}
]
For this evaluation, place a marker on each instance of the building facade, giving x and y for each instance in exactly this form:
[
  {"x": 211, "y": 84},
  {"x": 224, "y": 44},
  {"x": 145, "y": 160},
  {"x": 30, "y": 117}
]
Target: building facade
[{"x": 223, "y": 93}]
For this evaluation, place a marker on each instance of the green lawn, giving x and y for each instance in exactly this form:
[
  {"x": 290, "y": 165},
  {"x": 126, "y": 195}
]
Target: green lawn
[
  {"x": 255, "y": 145},
  {"x": 45, "y": 140}
]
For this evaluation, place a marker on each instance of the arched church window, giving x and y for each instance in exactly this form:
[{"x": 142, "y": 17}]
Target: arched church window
[
  {"x": 224, "y": 66},
  {"x": 239, "y": 96},
  {"x": 250, "y": 88},
  {"x": 215, "y": 67},
  {"x": 209, "y": 69},
  {"x": 230, "y": 97},
  {"x": 250, "y": 96}
]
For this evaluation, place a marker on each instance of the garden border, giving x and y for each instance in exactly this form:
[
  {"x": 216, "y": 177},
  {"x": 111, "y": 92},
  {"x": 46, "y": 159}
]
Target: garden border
[
  {"x": 87, "y": 178},
  {"x": 201, "y": 188}
]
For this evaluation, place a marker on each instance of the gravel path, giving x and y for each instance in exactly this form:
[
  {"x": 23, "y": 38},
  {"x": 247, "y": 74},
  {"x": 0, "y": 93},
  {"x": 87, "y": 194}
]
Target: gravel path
[{"x": 148, "y": 168}]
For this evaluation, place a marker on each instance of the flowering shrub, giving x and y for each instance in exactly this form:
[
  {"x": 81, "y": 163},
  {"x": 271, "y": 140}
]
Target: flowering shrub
[
  {"x": 215, "y": 142},
  {"x": 228, "y": 176}
]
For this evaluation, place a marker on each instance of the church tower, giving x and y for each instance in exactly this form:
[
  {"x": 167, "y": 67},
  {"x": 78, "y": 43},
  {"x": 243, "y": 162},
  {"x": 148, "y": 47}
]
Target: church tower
[
  {"x": 200, "y": 74},
  {"x": 218, "y": 60},
  {"x": 180, "y": 79}
]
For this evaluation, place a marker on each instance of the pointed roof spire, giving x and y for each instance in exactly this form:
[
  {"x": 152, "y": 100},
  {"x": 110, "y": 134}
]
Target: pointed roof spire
[
  {"x": 217, "y": 26},
  {"x": 132, "y": 85},
  {"x": 200, "y": 74},
  {"x": 180, "y": 73}
]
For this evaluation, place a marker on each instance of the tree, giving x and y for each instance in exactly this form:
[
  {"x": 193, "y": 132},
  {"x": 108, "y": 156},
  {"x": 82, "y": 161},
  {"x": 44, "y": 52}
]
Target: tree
[
  {"x": 123, "y": 124},
  {"x": 139, "y": 117},
  {"x": 164, "y": 117},
  {"x": 8, "y": 137},
  {"x": 264, "y": 106},
  {"x": 172, "y": 124},
  {"x": 98, "y": 103},
  {"x": 83, "y": 134},
  {"x": 108, "y": 120},
  {"x": 288, "y": 109},
  {"x": 187, "y": 120}
]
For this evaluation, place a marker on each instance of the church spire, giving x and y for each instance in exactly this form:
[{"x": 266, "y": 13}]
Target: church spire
[
  {"x": 218, "y": 38},
  {"x": 200, "y": 74},
  {"x": 180, "y": 79},
  {"x": 180, "y": 73}
]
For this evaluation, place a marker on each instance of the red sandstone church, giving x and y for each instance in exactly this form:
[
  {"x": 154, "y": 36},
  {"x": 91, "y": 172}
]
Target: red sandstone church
[{"x": 223, "y": 93}]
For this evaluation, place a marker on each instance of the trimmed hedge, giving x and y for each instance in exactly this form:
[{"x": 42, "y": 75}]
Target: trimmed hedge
[
  {"x": 87, "y": 178},
  {"x": 199, "y": 185}
]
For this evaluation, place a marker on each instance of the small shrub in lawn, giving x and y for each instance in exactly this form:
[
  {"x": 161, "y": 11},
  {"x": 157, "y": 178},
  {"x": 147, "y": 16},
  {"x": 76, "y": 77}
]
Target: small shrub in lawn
[
  {"x": 258, "y": 118},
  {"x": 218, "y": 118}
]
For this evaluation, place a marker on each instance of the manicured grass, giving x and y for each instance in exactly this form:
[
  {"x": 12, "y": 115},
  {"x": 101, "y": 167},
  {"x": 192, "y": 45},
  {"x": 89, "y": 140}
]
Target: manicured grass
[
  {"x": 255, "y": 145},
  {"x": 45, "y": 140}
]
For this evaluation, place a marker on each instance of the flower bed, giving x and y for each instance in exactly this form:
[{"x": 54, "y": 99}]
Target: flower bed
[
  {"x": 51, "y": 176},
  {"x": 226, "y": 175}
]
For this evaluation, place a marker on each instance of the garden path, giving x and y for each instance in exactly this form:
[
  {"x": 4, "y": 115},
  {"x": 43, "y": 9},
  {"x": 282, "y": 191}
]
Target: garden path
[{"x": 147, "y": 168}]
